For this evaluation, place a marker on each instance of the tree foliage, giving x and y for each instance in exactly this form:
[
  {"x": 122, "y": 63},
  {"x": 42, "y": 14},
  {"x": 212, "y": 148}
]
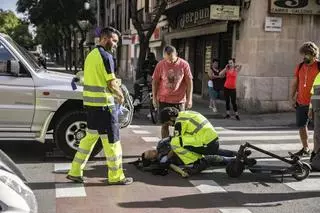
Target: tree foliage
[
  {"x": 16, "y": 28},
  {"x": 145, "y": 29},
  {"x": 56, "y": 22}
]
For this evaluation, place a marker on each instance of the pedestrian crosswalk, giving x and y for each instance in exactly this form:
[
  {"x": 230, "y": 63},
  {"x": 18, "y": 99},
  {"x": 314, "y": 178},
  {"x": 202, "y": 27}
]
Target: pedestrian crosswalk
[
  {"x": 279, "y": 140},
  {"x": 268, "y": 138}
]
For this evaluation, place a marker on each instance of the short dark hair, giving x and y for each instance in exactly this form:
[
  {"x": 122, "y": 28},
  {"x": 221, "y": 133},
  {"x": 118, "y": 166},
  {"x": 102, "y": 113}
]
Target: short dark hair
[
  {"x": 108, "y": 31},
  {"x": 232, "y": 59},
  {"x": 168, "y": 113},
  {"x": 215, "y": 60},
  {"x": 170, "y": 49}
]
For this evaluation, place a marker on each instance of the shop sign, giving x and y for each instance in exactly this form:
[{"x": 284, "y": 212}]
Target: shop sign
[
  {"x": 156, "y": 34},
  {"x": 311, "y": 7},
  {"x": 273, "y": 24},
  {"x": 194, "y": 18},
  {"x": 225, "y": 12}
]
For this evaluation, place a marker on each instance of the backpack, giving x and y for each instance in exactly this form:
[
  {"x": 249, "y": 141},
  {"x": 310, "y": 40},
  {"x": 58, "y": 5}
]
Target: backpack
[{"x": 300, "y": 65}]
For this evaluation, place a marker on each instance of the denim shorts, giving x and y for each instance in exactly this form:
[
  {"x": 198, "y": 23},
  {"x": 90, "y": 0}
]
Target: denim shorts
[{"x": 213, "y": 94}]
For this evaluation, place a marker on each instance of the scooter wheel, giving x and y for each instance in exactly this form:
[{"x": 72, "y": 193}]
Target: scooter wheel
[
  {"x": 235, "y": 168},
  {"x": 302, "y": 172}
]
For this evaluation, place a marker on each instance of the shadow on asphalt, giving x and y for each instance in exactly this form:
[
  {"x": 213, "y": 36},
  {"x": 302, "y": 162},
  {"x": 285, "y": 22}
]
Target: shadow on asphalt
[{"x": 222, "y": 200}]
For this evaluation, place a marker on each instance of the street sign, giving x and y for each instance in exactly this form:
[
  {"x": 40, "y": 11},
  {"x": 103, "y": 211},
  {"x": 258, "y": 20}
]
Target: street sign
[
  {"x": 273, "y": 24},
  {"x": 311, "y": 7},
  {"x": 224, "y": 12}
]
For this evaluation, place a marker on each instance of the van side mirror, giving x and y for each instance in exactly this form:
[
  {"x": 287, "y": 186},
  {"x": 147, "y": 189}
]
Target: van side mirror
[{"x": 14, "y": 67}]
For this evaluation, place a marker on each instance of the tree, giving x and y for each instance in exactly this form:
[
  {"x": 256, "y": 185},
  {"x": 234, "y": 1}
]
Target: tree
[
  {"x": 60, "y": 16},
  {"x": 145, "y": 29},
  {"x": 18, "y": 29}
]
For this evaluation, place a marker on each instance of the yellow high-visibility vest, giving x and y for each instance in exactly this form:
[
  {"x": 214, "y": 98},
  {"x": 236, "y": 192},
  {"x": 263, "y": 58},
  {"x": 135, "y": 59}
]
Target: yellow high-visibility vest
[
  {"x": 98, "y": 70},
  {"x": 191, "y": 129}
]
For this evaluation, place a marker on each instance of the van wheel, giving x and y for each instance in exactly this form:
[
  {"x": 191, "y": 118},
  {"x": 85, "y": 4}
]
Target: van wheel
[{"x": 70, "y": 130}]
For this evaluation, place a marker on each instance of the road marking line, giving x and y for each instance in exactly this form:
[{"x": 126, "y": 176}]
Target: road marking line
[
  {"x": 70, "y": 190},
  {"x": 261, "y": 138},
  {"x": 270, "y": 147},
  {"x": 230, "y": 132},
  {"x": 134, "y": 127},
  {"x": 250, "y": 127},
  {"x": 150, "y": 139},
  {"x": 141, "y": 132},
  {"x": 207, "y": 186},
  {"x": 234, "y": 210},
  {"x": 306, "y": 185},
  {"x": 62, "y": 167}
]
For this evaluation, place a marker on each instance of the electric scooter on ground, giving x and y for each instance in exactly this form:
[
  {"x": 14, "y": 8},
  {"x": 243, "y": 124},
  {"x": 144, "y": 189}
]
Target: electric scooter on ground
[{"x": 298, "y": 169}]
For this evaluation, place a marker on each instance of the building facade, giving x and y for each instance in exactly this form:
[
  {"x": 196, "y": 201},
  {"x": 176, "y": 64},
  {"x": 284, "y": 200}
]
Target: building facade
[
  {"x": 264, "y": 40},
  {"x": 262, "y": 35}
]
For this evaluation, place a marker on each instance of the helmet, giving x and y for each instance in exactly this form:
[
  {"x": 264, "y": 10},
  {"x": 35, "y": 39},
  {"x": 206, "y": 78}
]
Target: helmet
[{"x": 164, "y": 147}]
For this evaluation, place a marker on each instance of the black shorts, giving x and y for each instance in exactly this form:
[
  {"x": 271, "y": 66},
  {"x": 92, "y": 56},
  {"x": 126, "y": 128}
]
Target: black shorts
[
  {"x": 105, "y": 121},
  {"x": 302, "y": 115},
  {"x": 163, "y": 105}
]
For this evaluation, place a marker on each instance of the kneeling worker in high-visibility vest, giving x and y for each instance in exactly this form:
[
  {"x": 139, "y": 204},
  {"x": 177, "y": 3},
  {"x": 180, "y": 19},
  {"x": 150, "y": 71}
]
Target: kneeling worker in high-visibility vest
[
  {"x": 194, "y": 137},
  {"x": 99, "y": 91}
]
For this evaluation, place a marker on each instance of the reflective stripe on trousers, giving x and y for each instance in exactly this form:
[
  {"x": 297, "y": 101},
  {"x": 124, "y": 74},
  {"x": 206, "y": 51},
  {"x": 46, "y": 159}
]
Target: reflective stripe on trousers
[{"x": 113, "y": 153}]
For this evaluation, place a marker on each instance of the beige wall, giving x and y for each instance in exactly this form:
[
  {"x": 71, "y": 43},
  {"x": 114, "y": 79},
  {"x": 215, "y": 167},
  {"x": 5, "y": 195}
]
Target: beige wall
[{"x": 269, "y": 58}]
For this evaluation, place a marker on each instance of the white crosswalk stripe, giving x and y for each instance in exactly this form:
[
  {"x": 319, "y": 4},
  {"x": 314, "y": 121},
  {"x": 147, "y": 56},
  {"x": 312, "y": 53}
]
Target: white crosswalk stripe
[{"x": 273, "y": 139}]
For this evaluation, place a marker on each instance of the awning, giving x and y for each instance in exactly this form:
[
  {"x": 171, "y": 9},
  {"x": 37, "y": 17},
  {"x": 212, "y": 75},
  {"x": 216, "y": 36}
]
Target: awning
[{"x": 217, "y": 27}]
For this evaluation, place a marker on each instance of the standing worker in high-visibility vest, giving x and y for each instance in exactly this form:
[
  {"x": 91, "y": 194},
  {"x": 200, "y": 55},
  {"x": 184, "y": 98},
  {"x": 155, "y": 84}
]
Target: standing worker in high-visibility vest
[
  {"x": 314, "y": 112},
  {"x": 101, "y": 93}
]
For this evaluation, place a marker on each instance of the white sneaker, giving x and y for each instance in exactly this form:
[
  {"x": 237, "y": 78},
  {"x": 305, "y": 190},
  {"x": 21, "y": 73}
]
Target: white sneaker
[
  {"x": 214, "y": 110},
  {"x": 136, "y": 102},
  {"x": 149, "y": 115}
]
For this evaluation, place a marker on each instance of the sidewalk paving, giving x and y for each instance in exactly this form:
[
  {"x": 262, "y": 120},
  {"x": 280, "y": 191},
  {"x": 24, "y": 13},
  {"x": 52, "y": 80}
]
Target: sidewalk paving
[{"x": 284, "y": 119}]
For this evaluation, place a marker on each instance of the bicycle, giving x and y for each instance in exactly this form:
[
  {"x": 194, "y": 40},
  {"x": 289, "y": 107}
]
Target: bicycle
[{"x": 146, "y": 101}]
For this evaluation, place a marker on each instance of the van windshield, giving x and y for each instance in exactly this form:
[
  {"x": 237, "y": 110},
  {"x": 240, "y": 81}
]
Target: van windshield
[{"x": 24, "y": 53}]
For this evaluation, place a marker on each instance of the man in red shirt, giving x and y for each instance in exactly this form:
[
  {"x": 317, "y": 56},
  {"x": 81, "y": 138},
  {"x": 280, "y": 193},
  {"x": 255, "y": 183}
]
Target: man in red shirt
[
  {"x": 172, "y": 84},
  {"x": 305, "y": 74}
]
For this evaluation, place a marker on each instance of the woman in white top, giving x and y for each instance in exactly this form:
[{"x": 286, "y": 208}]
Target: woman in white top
[{"x": 213, "y": 94}]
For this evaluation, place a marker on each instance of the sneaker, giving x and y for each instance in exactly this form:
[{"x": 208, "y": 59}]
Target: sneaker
[
  {"x": 237, "y": 117},
  {"x": 75, "y": 179},
  {"x": 210, "y": 107},
  {"x": 149, "y": 115},
  {"x": 125, "y": 181},
  {"x": 227, "y": 116},
  {"x": 303, "y": 152},
  {"x": 136, "y": 102}
]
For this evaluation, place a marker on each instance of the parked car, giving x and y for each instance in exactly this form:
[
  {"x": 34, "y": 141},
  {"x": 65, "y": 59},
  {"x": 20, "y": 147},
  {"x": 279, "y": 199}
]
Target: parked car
[
  {"x": 34, "y": 101},
  {"x": 15, "y": 195}
]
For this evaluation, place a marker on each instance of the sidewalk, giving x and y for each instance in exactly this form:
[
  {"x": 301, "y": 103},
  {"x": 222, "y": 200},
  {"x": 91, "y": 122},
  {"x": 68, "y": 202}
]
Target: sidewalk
[
  {"x": 285, "y": 119},
  {"x": 273, "y": 120}
]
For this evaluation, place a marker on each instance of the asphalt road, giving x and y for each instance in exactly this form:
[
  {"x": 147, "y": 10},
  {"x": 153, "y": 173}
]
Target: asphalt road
[{"x": 211, "y": 191}]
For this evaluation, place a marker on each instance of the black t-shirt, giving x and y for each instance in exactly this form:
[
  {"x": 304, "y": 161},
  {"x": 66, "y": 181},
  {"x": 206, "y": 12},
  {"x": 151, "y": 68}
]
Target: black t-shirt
[{"x": 217, "y": 82}]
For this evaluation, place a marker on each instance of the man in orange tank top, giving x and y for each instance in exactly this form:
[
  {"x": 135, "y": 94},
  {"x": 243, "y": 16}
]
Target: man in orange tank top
[{"x": 305, "y": 74}]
